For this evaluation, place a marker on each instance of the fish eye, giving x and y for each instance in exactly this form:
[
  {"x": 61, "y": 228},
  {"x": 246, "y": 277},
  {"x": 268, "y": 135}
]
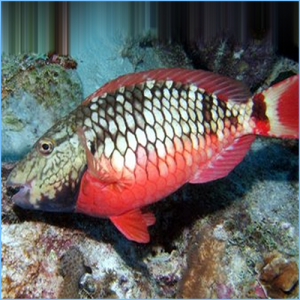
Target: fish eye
[{"x": 45, "y": 146}]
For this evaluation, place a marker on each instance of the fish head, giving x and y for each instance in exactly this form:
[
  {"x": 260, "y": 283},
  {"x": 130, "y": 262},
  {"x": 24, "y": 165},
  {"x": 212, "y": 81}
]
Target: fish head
[{"x": 48, "y": 177}]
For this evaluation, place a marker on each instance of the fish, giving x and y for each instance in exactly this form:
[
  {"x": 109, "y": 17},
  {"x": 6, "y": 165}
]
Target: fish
[{"x": 142, "y": 136}]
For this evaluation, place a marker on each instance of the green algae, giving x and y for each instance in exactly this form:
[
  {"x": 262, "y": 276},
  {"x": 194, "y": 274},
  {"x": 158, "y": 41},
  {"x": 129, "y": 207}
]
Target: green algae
[
  {"x": 13, "y": 122},
  {"x": 49, "y": 83}
]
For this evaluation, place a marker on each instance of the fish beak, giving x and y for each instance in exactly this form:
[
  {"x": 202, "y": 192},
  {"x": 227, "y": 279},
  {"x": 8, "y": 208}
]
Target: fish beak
[{"x": 20, "y": 194}]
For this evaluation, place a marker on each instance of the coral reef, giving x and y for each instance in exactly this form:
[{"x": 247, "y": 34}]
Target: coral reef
[
  {"x": 203, "y": 278},
  {"x": 36, "y": 91},
  {"x": 280, "y": 276}
]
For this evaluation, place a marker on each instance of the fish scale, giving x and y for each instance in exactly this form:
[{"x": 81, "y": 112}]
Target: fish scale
[
  {"x": 160, "y": 110},
  {"x": 141, "y": 136}
]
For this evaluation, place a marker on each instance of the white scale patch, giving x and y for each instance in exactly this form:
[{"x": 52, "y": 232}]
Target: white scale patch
[
  {"x": 199, "y": 96},
  {"x": 169, "y": 130},
  {"x": 159, "y": 132},
  {"x": 141, "y": 137},
  {"x": 214, "y": 115},
  {"x": 167, "y": 114},
  {"x": 110, "y": 111},
  {"x": 95, "y": 117},
  {"x": 175, "y": 114},
  {"x": 117, "y": 161},
  {"x": 147, "y": 94},
  {"x": 94, "y": 106},
  {"x": 185, "y": 127},
  {"x": 192, "y": 95},
  {"x": 158, "y": 94},
  {"x": 166, "y": 93},
  {"x": 200, "y": 128},
  {"x": 177, "y": 128},
  {"x": 150, "y": 134},
  {"x": 148, "y": 104},
  {"x": 183, "y": 103},
  {"x": 213, "y": 126},
  {"x": 191, "y": 104},
  {"x": 121, "y": 124},
  {"x": 108, "y": 147},
  {"x": 103, "y": 122},
  {"x": 199, "y": 115},
  {"x": 158, "y": 116},
  {"x": 128, "y": 107},
  {"x": 183, "y": 114},
  {"x": 220, "y": 124},
  {"x": 175, "y": 93},
  {"x": 160, "y": 148},
  {"x": 195, "y": 141},
  {"x": 130, "y": 160},
  {"x": 183, "y": 94},
  {"x": 169, "y": 84},
  {"x": 121, "y": 143},
  {"x": 220, "y": 112},
  {"x": 240, "y": 119},
  {"x": 88, "y": 122},
  {"x": 192, "y": 114},
  {"x": 157, "y": 103},
  {"x": 150, "y": 84},
  {"x": 132, "y": 142},
  {"x": 193, "y": 126},
  {"x": 166, "y": 103},
  {"x": 174, "y": 103},
  {"x": 120, "y": 98},
  {"x": 129, "y": 120},
  {"x": 149, "y": 116}
]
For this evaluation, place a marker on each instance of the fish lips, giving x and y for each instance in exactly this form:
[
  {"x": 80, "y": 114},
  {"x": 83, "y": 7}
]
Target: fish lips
[
  {"x": 64, "y": 202},
  {"x": 21, "y": 194}
]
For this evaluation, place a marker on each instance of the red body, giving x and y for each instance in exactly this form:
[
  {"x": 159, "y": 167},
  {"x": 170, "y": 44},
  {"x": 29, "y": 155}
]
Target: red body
[{"x": 120, "y": 193}]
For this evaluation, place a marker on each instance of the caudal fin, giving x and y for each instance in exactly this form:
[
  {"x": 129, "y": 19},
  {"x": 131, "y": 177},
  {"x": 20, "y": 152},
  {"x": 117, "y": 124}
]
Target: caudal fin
[{"x": 276, "y": 110}]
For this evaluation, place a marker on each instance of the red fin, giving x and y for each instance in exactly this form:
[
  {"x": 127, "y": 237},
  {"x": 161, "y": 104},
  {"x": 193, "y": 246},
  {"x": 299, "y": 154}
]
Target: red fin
[
  {"x": 276, "y": 110},
  {"x": 225, "y": 88},
  {"x": 149, "y": 218},
  {"x": 225, "y": 161},
  {"x": 133, "y": 225}
]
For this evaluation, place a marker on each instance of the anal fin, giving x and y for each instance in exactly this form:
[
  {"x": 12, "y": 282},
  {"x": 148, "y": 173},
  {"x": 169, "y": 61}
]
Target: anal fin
[
  {"x": 225, "y": 161},
  {"x": 133, "y": 225}
]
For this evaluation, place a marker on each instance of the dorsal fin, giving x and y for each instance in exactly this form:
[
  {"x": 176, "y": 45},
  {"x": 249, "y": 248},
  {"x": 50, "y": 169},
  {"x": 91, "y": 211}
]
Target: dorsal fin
[{"x": 225, "y": 88}]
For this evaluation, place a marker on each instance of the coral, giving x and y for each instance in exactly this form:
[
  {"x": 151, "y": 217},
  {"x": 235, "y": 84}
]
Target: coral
[
  {"x": 204, "y": 277},
  {"x": 256, "y": 64},
  {"x": 280, "y": 276},
  {"x": 78, "y": 282},
  {"x": 144, "y": 51},
  {"x": 44, "y": 77},
  {"x": 36, "y": 91}
]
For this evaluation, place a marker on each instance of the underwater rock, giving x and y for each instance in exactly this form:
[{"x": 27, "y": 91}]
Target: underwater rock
[
  {"x": 36, "y": 92},
  {"x": 280, "y": 276},
  {"x": 204, "y": 277}
]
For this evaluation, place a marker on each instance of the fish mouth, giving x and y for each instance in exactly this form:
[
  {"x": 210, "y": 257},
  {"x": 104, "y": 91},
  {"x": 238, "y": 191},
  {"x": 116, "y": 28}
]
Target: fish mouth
[{"x": 20, "y": 194}]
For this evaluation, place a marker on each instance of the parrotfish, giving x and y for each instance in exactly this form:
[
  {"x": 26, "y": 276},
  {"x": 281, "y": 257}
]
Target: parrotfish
[{"x": 142, "y": 136}]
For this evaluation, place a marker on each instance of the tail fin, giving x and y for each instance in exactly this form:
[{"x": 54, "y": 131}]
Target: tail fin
[{"x": 276, "y": 110}]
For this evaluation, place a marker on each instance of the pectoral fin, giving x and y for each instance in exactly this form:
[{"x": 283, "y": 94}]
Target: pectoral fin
[
  {"x": 101, "y": 168},
  {"x": 133, "y": 225}
]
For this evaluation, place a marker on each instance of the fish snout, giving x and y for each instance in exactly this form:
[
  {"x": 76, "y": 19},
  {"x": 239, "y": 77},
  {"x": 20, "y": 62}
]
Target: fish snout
[{"x": 19, "y": 193}]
